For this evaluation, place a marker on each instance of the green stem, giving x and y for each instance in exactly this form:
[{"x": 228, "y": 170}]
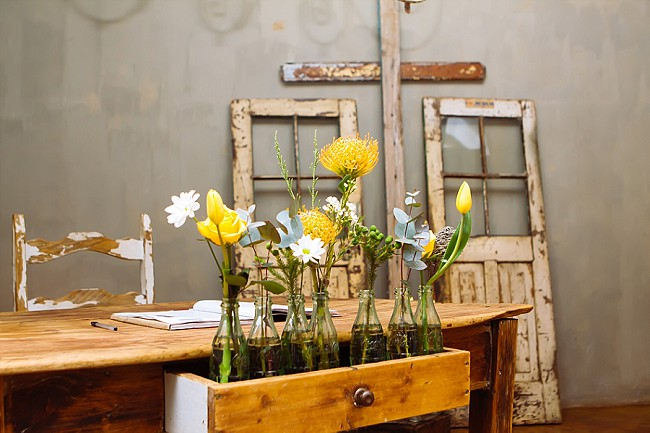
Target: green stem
[{"x": 451, "y": 259}]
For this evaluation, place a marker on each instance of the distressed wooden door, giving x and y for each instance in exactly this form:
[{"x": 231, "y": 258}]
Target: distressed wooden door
[
  {"x": 497, "y": 265},
  {"x": 348, "y": 276}
]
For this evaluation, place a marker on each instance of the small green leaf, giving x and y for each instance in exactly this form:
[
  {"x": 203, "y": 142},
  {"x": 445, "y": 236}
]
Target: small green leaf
[
  {"x": 268, "y": 232},
  {"x": 236, "y": 280},
  {"x": 272, "y": 286}
]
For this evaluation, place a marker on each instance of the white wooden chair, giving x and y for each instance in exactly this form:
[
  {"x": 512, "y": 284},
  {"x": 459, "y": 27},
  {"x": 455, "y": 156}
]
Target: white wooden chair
[{"x": 40, "y": 251}]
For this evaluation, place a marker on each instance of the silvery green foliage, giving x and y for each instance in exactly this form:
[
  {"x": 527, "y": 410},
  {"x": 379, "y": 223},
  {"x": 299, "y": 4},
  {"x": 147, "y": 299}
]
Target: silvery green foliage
[
  {"x": 408, "y": 234},
  {"x": 292, "y": 229},
  {"x": 257, "y": 231}
]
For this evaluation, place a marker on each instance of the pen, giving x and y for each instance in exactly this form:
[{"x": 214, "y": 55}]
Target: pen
[{"x": 103, "y": 326}]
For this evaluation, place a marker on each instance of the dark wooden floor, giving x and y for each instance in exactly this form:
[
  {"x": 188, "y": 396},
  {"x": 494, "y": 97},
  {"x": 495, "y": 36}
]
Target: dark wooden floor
[{"x": 624, "y": 419}]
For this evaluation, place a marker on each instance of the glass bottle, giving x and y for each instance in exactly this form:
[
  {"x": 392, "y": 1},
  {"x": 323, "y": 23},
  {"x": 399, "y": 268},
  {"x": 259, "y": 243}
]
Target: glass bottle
[
  {"x": 229, "y": 348},
  {"x": 402, "y": 331},
  {"x": 297, "y": 345},
  {"x": 428, "y": 323},
  {"x": 264, "y": 345},
  {"x": 367, "y": 343},
  {"x": 324, "y": 336}
]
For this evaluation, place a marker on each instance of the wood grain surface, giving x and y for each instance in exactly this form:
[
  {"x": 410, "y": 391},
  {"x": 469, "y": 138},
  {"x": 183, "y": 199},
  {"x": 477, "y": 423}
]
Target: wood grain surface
[
  {"x": 399, "y": 388},
  {"x": 64, "y": 340}
]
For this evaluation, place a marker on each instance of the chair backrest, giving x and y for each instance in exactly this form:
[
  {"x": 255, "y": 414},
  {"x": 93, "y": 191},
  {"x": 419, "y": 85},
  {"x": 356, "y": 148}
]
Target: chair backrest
[
  {"x": 41, "y": 251},
  {"x": 349, "y": 275}
]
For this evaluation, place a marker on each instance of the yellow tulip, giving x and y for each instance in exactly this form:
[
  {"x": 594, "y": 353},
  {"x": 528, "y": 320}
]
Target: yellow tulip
[
  {"x": 215, "y": 207},
  {"x": 464, "y": 199},
  {"x": 231, "y": 229},
  {"x": 428, "y": 248}
]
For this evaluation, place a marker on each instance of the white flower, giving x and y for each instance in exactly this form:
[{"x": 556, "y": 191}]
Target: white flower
[
  {"x": 182, "y": 207},
  {"x": 308, "y": 249},
  {"x": 333, "y": 207}
]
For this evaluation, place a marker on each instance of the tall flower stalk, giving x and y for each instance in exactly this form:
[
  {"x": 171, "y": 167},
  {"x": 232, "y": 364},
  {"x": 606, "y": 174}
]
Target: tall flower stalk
[{"x": 223, "y": 227}]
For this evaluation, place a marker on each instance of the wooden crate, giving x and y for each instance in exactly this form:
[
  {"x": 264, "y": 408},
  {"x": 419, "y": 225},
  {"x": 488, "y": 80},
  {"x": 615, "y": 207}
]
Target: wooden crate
[{"x": 320, "y": 401}]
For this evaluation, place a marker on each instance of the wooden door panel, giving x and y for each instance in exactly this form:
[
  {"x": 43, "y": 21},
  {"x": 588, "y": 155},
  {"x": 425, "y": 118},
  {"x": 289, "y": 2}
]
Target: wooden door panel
[
  {"x": 502, "y": 268},
  {"x": 349, "y": 275}
]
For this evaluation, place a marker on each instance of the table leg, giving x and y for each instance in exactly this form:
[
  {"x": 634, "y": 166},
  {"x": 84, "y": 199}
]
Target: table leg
[{"x": 490, "y": 410}]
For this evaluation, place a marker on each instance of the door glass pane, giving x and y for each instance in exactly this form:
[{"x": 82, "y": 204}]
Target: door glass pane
[
  {"x": 264, "y": 161},
  {"x": 271, "y": 195},
  {"x": 327, "y": 130},
  {"x": 503, "y": 145},
  {"x": 451, "y": 213},
  {"x": 461, "y": 145},
  {"x": 508, "y": 205}
]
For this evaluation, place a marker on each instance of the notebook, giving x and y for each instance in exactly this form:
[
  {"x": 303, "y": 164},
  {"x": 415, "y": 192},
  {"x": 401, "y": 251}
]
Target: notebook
[{"x": 203, "y": 314}]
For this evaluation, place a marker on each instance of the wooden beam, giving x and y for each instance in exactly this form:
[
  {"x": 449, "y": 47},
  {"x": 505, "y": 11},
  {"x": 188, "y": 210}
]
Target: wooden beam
[
  {"x": 392, "y": 109},
  {"x": 371, "y": 71}
]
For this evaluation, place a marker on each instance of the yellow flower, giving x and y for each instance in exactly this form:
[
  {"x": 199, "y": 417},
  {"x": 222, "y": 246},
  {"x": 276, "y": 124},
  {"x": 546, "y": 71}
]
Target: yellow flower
[
  {"x": 428, "y": 248},
  {"x": 215, "y": 207},
  {"x": 350, "y": 156},
  {"x": 317, "y": 225},
  {"x": 232, "y": 228},
  {"x": 464, "y": 199}
]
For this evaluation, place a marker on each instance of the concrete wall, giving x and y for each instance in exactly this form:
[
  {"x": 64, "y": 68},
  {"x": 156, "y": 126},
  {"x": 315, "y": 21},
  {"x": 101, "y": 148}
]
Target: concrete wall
[{"x": 108, "y": 108}]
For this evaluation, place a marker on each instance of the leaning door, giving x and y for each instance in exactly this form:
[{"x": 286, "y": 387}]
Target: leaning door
[{"x": 492, "y": 145}]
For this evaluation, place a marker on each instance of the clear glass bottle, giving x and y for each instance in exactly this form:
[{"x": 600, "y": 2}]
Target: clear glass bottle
[
  {"x": 297, "y": 344},
  {"x": 367, "y": 342},
  {"x": 324, "y": 336},
  {"x": 402, "y": 331},
  {"x": 428, "y": 323},
  {"x": 264, "y": 345},
  {"x": 229, "y": 360}
]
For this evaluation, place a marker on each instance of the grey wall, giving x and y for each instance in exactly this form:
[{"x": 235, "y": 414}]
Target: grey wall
[{"x": 107, "y": 108}]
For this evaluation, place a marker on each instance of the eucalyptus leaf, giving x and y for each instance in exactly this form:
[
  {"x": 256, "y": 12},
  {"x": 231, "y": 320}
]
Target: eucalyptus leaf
[
  {"x": 272, "y": 286},
  {"x": 284, "y": 218},
  {"x": 416, "y": 265},
  {"x": 401, "y": 216},
  {"x": 269, "y": 233}
]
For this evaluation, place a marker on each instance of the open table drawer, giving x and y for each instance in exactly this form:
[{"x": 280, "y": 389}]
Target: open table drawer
[{"x": 324, "y": 401}]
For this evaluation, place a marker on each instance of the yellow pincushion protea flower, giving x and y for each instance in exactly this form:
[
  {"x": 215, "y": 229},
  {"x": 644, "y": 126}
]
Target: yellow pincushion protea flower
[
  {"x": 353, "y": 156},
  {"x": 317, "y": 225}
]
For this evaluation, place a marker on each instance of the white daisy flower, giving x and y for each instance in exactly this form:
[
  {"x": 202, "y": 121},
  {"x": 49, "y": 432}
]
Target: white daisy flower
[
  {"x": 182, "y": 207},
  {"x": 333, "y": 207},
  {"x": 308, "y": 249}
]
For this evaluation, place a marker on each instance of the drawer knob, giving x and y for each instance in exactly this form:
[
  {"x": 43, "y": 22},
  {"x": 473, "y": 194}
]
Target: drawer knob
[{"x": 363, "y": 397}]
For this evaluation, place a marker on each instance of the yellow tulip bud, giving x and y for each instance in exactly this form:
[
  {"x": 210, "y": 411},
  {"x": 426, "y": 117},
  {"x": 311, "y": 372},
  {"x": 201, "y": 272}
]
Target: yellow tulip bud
[
  {"x": 464, "y": 199},
  {"x": 428, "y": 248},
  {"x": 215, "y": 207},
  {"x": 230, "y": 230}
]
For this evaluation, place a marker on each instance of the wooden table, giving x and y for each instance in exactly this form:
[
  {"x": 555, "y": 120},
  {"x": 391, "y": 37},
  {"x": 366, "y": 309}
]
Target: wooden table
[{"x": 59, "y": 374}]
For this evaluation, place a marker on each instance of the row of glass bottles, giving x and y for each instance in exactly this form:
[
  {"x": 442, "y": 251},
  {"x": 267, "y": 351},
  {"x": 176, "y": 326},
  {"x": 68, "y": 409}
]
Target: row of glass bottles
[
  {"x": 306, "y": 346},
  {"x": 407, "y": 335}
]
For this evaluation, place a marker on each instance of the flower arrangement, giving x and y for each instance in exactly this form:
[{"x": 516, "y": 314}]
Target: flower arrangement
[{"x": 303, "y": 246}]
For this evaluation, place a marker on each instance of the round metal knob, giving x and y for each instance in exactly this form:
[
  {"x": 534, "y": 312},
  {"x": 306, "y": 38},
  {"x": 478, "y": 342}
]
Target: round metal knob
[{"x": 363, "y": 397}]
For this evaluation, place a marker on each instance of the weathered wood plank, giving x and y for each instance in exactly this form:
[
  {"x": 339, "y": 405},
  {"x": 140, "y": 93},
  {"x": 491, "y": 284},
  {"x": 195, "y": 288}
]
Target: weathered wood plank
[
  {"x": 498, "y": 248},
  {"x": 371, "y": 71},
  {"x": 20, "y": 263},
  {"x": 392, "y": 115},
  {"x": 241, "y": 129},
  {"x": 541, "y": 270},
  {"x": 42, "y": 251},
  {"x": 85, "y": 297},
  {"x": 466, "y": 283},
  {"x": 131, "y": 399},
  {"x": 76, "y": 344},
  {"x": 398, "y": 387},
  {"x": 294, "y": 107},
  {"x": 490, "y": 411},
  {"x": 146, "y": 266}
]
